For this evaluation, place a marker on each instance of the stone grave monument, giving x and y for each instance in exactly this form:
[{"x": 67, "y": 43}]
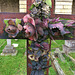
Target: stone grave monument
[
  {"x": 69, "y": 46},
  {"x": 9, "y": 49}
]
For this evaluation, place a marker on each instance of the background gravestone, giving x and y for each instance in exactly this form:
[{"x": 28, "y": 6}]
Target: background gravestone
[
  {"x": 9, "y": 49},
  {"x": 69, "y": 46}
]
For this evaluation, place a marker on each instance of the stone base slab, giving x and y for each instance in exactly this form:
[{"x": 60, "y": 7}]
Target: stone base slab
[
  {"x": 6, "y": 54},
  {"x": 9, "y": 50}
]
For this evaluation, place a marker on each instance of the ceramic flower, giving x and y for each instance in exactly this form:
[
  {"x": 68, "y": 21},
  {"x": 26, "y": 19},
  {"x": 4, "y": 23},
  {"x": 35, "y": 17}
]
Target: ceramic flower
[
  {"x": 57, "y": 27},
  {"x": 13, "y": 27},
  {"x": 29, "y": 27}
]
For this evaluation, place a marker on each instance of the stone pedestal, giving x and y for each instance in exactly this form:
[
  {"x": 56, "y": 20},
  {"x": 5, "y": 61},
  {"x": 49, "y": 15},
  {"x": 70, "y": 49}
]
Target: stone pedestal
[
  {"x": 9, "y": 49},
  {"x": 69, "y": 46}
]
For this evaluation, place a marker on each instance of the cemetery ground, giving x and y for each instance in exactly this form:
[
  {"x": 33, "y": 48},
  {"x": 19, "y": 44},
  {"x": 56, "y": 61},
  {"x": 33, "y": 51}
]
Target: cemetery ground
[
  {"x": 17, "y": 65},
  {"x": 13, "y": 65},
  {"x": 68, "y": 67},
  {"x": 72, "y": 55}
]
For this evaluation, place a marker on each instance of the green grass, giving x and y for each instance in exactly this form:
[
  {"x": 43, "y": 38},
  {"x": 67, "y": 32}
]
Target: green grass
[
  {"x": 71, "y": 64},
  {"x": 14, "y": 65},
  {"x": 57, "y": 44},
  {"x": 64, "y": 19},
  {"x": 65, "y": 67},
  {"x": 72, "y": 55},
  {"x": 1, "y": 41},
  {"x": 17, "y": 65},
  {"x": 51, "y": 70}
]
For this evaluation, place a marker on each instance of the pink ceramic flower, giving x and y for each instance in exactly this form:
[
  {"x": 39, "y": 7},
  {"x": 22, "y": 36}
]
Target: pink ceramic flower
[
  {"x": 12, "y": 29},
  {"x": 28, "y": 18},
  {"x": 29, "y": 27}
]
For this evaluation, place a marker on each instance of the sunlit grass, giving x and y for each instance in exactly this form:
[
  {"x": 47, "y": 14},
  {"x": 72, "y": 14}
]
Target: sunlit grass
[
  {"x": 72, "y": 55},
  {"x": 57, "y": 44},
  {"x": 65, "y": 67},
  {"x": 52, "y": 70},
  {"x": 70, "y": 63},
  {"x": 14, "y": 65}
]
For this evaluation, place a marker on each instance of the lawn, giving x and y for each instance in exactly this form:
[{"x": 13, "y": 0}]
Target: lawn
[
  {"x": 17, "y": 65},
  {"x": 51, "y": 70},
  {"x": 72, "y": 55},
  {"x": 66, "y": 66},
  {"x": 14, "y": 65},
  {"x": 57, "y": 44},
  {"x": 1, "y": 41},
  {"x": 69, "y": 61}
]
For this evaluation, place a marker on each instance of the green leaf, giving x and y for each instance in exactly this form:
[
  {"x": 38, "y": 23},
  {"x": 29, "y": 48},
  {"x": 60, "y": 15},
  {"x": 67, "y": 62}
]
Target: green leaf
[
  {"x": 32, "y": 6},
  {"x": 6, "y": 22},
  {"x": 18, "y": 21},
  {"x": 49, "y": 2}
]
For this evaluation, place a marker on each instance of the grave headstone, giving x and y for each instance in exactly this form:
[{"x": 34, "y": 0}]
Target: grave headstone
[
  {"x": 9, "y": 49},
  {"x": 9, "y": 42},
  {"x": 69, "y": 46}
]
